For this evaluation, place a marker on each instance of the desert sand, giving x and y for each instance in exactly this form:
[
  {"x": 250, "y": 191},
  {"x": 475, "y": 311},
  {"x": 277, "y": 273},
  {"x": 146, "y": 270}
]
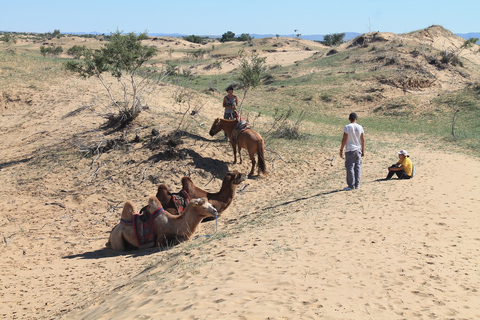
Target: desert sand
[{"x": 293, "y": 245}]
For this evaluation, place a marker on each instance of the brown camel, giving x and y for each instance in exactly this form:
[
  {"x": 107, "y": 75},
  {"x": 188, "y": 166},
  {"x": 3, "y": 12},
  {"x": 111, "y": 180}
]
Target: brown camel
[
  {"x": 173, "y": 229},
  {"x": 174, "y": 203},
  {"x": 220, "y": 200},
  {"x": 156, "y": 226},
  {"x": 243, "y": 138}
]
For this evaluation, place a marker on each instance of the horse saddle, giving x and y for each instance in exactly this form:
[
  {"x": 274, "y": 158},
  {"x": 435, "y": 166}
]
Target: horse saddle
[{"x": 241, "y": 126}]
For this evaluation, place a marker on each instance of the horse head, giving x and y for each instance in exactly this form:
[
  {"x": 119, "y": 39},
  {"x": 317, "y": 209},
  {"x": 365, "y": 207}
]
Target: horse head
[{"x": 216, "y": 127}]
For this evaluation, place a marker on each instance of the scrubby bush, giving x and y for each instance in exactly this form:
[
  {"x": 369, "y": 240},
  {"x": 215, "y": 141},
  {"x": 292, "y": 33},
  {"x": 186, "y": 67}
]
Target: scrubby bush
[
  {"x": 76, "y": 51},
  {"x": 333, "y": 39},
  {"x": 48, "y": 50},
  {"x": 470, "y": 42},
  {"x": 123, "y": 56},
  {"x": 195, "y": 39},
  {"x": 450, "y": 57}
]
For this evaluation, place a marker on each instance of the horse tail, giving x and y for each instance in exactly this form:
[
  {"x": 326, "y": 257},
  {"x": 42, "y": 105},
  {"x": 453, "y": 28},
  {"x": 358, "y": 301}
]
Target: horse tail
[{"x": 262, "y": 166}]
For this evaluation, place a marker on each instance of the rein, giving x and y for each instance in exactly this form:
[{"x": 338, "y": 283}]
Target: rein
[{"x": 209, "y": 235}]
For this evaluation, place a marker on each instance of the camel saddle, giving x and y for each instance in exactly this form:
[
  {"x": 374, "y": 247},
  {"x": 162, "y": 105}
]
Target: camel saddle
[
  {"x": 143, "y": 225},
  {"x": 181, "y": 200}
]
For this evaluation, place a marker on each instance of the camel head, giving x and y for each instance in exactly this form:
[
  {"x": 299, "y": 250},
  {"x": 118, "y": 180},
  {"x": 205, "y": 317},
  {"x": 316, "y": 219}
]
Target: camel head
[
  {"x": 235, "y": 176},
  {"x": 153, "y": 205},
  {"x": 204, "y": 208},
  {"x": 216, "y": 127}
]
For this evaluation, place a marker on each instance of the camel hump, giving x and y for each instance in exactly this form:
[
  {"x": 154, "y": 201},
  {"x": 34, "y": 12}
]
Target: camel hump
[
  {"x": 186, "y": 183},
  {"x": 186, "y": 180},
  {"x": 128, "y": 210},
  {"x": 163, "y": 188},
  {"x": 153, "y": 204}
]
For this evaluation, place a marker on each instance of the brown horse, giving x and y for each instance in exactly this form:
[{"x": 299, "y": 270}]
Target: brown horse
[{"x": 246, "y": 139}]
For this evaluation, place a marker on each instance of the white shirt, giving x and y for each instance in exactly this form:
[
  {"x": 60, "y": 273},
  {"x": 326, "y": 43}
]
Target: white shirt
[{"x": 354, "y": 131}]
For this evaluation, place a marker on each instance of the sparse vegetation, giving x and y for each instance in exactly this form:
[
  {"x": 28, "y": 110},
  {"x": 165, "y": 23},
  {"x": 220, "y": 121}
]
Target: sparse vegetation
[
  {"x": 230, "y": 36},
  {"x": 77, "y": 51},
  {"x": 49, "y": 50}
]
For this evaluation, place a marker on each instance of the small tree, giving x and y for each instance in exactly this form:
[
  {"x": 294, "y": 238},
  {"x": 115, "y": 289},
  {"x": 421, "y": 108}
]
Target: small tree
[
  {"x": 195, "y": 39},
  {"x": 251, "y": 72},
  {"x": 470, "y": 42},
  {"x": 244, "y": 37},
  {"x": 228, "y": 36},
  {"x": 333, "y": 39},
  {"x": 123, "y": 56}
]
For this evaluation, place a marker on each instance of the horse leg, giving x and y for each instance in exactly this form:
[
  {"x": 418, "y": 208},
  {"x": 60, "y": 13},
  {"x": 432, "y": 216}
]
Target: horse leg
[
  {"x": 251, "y": 153},
  {"x": 240, "y": 154},
  {"x": 234, "y": 146}
]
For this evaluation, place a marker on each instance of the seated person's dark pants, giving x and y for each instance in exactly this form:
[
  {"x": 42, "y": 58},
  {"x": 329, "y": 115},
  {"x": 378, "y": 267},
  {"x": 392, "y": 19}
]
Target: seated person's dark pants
[{"x": 400, "y": 174}]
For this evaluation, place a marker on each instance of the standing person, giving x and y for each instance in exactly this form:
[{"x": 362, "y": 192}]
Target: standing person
[
  {"x": 354, "y": 143},
  {"x": 230, "y": 103},
  {"x": 403, "y": 168}
]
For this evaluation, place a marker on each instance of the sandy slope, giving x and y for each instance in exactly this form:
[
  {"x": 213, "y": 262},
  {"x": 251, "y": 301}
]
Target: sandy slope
[
  {"x": 380, "y": 252},
  {"x": 300, "y": 248}
]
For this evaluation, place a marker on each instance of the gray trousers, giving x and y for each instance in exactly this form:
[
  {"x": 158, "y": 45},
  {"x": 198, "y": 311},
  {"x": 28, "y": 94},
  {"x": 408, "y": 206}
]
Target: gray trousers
[{"x": 353, "y": 165}]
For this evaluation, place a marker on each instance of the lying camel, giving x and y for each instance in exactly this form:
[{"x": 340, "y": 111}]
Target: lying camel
[
  {"x": 173, "y": 229},
  {"x": 155, "y": 226},
  {"x": 123, "y": 234},
  {"x": 220, "y": 200},
  {"x": 174, "y": 203}
]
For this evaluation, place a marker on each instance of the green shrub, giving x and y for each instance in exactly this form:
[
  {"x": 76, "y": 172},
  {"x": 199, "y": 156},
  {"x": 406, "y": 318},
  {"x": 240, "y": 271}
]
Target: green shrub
[{"x": 195, "y": 39}]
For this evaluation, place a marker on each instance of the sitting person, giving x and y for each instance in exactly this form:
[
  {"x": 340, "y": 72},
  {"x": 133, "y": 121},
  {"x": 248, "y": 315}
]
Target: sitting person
[{"x": 403, "y": 168}]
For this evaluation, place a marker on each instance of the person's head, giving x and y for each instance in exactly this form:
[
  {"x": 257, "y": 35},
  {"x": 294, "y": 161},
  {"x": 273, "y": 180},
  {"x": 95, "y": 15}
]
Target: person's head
[
  {"x": 402, "y": 154},
  {"x": 229, "y": 89},
  {"x": 352, "y": 117}
]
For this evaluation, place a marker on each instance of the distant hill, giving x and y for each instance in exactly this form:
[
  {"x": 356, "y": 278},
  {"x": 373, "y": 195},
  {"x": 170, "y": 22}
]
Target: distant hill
[
  {"x": 313, "y": 37},
  {"x": 467, "y": 36}
]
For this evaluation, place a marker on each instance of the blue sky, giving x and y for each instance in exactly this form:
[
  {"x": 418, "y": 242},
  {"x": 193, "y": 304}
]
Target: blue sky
[{"x": 215, "y": 17}]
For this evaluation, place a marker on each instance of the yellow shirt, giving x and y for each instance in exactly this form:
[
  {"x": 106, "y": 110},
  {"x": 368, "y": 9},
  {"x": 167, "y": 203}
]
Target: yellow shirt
[{"x": 407, "y": 166}]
